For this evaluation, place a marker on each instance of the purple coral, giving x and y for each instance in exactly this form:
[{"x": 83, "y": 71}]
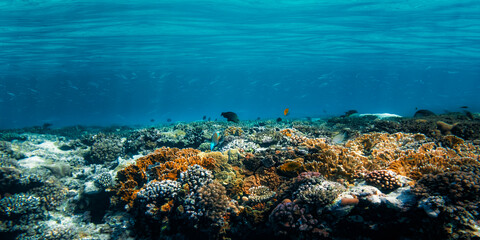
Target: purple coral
[
  {"x": 290, "y": 218},
  {"x": 207, "y": 206}
]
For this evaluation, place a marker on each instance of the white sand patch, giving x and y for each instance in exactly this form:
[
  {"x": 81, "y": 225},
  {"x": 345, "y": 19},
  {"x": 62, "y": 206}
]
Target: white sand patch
[
  {"x": 49, "y": 146},
  {"x": 32, "y": 162},
  {"x": 380, "y": 115}
]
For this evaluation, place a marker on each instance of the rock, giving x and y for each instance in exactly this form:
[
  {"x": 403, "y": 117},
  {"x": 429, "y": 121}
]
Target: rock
[
  {"x": 399, "y": 199},
  {"x": 91, "y": 188}
]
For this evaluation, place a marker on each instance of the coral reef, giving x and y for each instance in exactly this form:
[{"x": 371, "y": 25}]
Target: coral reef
[
  {"x": 454, "y": 199},
  {"x": 345, "y": 177},
  {"x": 104, "y": 149},
  {"x": 162, "y": 164}
]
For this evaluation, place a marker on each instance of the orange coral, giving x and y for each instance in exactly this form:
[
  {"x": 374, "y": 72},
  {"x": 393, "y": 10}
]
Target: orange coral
[
  {"x": 167, "y": 163},
  {"x": 288, "y": 132},
  {"x": 167, "y": 206}
]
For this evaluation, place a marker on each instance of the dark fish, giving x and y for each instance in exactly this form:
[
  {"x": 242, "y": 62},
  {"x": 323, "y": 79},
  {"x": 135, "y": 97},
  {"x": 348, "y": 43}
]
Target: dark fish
[
  {"x": 209, "y": 119},
  {"x": 279, "y": 119},
  {"x": 469, "y": 115},
  {"x": 464, "y": 107},
  {"x": 349, "y": 113},
  {"x": 231, "y": 117},
  {"x": 204, "y": 117},
  {"x": 46, "y": 125},
  {"x": 258, "y": 118},
  {"x": 152, "y": 120},
  {"x": 423, "y": 113},
  {"x": 169, "y": 119}
]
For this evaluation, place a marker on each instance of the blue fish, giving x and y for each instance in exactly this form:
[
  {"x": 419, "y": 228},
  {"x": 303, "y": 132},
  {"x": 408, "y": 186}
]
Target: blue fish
[{"x": 216, "y": 139}]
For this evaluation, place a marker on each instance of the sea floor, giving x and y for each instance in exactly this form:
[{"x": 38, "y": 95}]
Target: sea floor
[{"x": 349, "y": 177}]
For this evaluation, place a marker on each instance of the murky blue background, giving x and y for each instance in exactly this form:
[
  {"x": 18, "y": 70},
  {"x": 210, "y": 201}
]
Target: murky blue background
[{"x": 127, "y": 62}]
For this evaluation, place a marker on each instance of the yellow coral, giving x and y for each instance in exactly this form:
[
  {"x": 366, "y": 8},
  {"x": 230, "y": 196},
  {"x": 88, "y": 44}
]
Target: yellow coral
[{"x": 235, "y": 131}]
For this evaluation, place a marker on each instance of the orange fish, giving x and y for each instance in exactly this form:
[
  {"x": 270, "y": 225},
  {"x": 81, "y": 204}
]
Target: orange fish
[{"x": 285, "y": 112}]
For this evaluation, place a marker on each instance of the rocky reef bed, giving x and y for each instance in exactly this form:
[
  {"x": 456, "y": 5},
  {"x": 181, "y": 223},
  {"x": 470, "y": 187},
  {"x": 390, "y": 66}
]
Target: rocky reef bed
[{"x": 338, "y": 178}]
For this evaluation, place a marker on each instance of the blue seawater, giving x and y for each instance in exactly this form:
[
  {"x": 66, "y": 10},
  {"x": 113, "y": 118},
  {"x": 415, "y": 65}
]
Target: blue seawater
[{"x": 108, "y": 62}]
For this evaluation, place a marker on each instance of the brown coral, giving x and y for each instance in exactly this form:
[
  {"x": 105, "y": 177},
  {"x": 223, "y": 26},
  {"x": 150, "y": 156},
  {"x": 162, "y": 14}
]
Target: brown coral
[
  {"x": 452, "y": 141},
  {"x": 233, "y": 131},
  {"x": 430, "y": 159},
  {"x": 383, "y": 179},
  {"x": 291, "y": 168}
]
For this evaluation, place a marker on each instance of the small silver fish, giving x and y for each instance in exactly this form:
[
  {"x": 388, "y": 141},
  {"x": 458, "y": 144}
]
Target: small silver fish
[{"x": 339, "y": 138}]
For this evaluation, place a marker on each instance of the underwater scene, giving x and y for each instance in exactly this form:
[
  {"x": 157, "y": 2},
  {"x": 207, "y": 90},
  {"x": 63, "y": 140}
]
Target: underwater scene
[{"x": 239, "y": 119}]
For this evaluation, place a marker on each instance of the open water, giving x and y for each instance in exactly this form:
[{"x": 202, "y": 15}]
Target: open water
[{"x": 108, "y": 62}]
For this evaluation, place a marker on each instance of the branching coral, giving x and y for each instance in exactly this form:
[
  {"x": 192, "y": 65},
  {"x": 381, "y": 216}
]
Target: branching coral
[
  {"x": 336, "y": 162},
  {"x": 437, "y": 160},
  {"x": 410, "y": 155}
]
